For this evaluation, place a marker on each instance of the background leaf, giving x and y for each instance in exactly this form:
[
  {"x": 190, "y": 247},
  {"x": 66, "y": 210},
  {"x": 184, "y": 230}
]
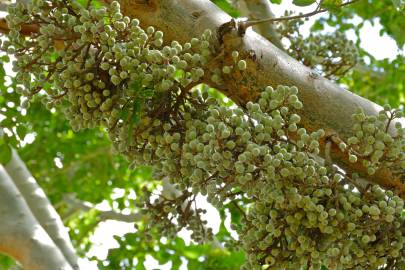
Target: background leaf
[{"x": 303, "y": 3}]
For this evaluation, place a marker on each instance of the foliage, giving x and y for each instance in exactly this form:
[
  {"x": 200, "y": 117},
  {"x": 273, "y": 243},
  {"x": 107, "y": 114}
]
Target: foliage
[
  {"x": 377, "y": 80},
  {"x": 381, "y": 82},
  {"x": 332, "y": 55},
  {"x": 303, "y": 3},
  {"x": 227, "y": 7},
  {"x": 198, "y": 257}
]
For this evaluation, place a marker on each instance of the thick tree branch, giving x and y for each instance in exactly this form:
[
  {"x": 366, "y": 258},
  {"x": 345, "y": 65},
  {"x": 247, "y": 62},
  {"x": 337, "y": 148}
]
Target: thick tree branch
[
  {"x": 21, "y": 236},
  {"x": 259, "y": 9},
  {"x": 3, "y": 6},
  {"x": 41, "y": 208},
  {"x": 326, "y": 105}
]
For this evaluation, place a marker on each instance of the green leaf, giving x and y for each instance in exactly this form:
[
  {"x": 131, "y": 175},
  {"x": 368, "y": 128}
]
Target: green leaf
[
  {"x": 317, "y": 26},
  {"x": 5, "y": 58},
  {"x": 94, "y": 3},
  {"x": 147, "y": 93},
  {"x": 125, "y": 112},
  {"x": 140, "y": 265},
  {"x": 179, "y": 74},
  {"x": 6, "y": 262},
  {"x": 303, "y": 3},
  {"x": 97, "y": 4},
  {"x": 227, "y": 7},
  {"x": 179, "y": 242},
  {"x": 278, "y": 2},
  {"x": 332, "y": 5},
  {"x": 5, "y": 153},
  {"x": 82, "y": 2},
  {"x": 399, "y": 4},
  {"x": 135, "y": 86},
  {"x": 190, "y": 254},
  {"x": 21, "y": 131},
  {"x": 136, "y": 117}
]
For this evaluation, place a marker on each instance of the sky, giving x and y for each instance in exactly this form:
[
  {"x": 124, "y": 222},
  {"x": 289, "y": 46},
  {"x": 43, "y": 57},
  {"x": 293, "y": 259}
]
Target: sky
[{"x": 103, "y": 236}]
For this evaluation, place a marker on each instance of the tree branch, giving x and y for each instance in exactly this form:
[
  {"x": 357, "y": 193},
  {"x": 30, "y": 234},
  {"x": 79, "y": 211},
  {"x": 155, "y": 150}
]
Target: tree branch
[
  {"x": 318, "y": 10},
  {"x": 326, "y": 105},
  {"x": 259, "y": 9},
  {"x": 41, "y": 207},
  {"x": 170, "y": 191},
  {"x": 26, "y": 30},
  {"x": 21, "y": 236},
  {"x": 4, "y": 4},
  {"x": 103, "y": 215}
]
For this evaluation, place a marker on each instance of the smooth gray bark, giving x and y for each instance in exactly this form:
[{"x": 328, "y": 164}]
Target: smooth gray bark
[
  {"x": 326, "y": 104},
  {"x": 41, "y": 207},
  {"x": 21, "y": 235}
]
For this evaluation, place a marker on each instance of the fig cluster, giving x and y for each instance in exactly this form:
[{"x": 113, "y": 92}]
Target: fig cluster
[{"x": 103, "y": 69}]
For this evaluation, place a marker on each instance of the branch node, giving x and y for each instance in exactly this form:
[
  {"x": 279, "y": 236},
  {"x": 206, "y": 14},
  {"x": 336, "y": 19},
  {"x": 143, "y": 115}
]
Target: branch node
[{"x": 235, "y": 27}]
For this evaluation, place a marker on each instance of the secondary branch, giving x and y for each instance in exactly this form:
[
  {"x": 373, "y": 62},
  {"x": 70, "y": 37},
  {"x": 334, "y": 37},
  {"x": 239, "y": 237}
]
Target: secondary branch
[
  {"x": 75, "y": 203},
  {"x": 259, "y": 9},
  {"x": 41, "y": 207},
  {"x": 21, "y": 236},
  {"x": 318, "y": 10}
]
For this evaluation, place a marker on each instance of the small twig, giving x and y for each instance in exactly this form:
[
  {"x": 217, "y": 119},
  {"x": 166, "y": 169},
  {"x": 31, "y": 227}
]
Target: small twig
[
  {"x": 319, "y": 5},
  {"x": 88, "y": 4},
  {"x": 328, "y": 159},
  {"x": 246, "y": 24},
  {"x": 354, "y": 182},
  {"x": 239, "y": 209},
  {"x": 337, "y": 140},
  {"x": 76, "y": 204},
  {"x": 392, "y": 116}
]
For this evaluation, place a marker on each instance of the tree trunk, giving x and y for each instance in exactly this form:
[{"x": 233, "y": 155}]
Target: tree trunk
[
  {"x": 326, "y": 105},
  {"x": 41, "y": 207},
  {"x": 21, "y": 236}
]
